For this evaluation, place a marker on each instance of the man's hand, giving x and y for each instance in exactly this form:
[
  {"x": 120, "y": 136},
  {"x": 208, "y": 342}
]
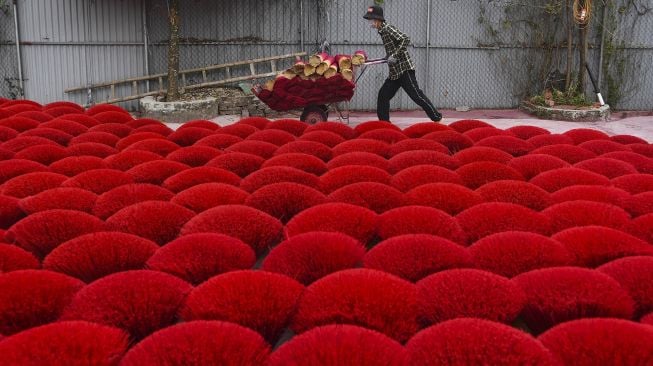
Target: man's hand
[{"x": 391, "y": 60}]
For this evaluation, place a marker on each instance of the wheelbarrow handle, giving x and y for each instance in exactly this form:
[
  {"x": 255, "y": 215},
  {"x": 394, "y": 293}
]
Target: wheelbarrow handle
[{"x": 377, "y": 61}]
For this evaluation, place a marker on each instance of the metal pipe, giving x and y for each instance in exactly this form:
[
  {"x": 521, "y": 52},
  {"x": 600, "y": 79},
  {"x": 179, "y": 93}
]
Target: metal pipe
[
  {"x": 20, "y": 62},
  {"x": 603, "y": 32},
  {"x": 428, "y": 45},
  {"x": 301, "y": 25},
  {"x": 146, "y": 51}
]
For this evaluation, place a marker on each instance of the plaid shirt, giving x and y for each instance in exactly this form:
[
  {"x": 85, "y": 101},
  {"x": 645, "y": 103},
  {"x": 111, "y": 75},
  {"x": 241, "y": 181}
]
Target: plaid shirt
[{"x": 396, "y": 44}]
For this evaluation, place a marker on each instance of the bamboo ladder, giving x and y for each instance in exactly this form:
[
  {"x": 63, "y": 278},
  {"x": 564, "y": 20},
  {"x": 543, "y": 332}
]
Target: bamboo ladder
[{"x": 135, "y": 89}]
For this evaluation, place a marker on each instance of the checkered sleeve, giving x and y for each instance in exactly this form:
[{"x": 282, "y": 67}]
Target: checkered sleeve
[
  {"x": 399, "y": 39},
  {"x": 396, "y": 45}
]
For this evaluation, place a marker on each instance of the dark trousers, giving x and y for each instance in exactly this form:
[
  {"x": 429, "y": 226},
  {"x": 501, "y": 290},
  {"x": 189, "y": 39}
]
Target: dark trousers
[{"x": 408, "y": 82}]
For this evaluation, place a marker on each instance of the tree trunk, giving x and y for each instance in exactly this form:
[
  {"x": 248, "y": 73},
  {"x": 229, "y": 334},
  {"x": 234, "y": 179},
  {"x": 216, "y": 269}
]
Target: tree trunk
[
  {"x": 570, "y": 42},
  {"x": 583, "y": 58},
  {"x": 173, "y": 51}
]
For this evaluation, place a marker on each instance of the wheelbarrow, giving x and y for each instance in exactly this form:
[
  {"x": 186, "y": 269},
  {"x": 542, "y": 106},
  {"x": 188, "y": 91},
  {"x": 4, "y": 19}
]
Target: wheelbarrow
[{"x": 317, "y": 109}]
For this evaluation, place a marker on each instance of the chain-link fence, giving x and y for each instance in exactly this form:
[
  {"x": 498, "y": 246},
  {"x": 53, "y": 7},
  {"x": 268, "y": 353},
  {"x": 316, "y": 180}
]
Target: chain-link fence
[
  {"x": 473, "y": 53},
  {"x": 9, "y": 84},
  {"x": 481, "y": 54}
]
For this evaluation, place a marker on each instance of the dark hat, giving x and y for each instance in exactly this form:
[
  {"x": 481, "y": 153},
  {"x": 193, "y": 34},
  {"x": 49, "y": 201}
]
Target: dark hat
[{"x": 374, "y": 12}]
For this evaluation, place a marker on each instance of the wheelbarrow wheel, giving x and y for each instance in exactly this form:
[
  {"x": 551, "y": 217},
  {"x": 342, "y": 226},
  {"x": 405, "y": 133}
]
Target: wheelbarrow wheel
[{"x": 314, "y": 114}]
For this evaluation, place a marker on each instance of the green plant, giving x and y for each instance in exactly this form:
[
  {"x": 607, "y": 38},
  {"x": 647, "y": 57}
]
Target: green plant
[{"x": 538, "y": 100}]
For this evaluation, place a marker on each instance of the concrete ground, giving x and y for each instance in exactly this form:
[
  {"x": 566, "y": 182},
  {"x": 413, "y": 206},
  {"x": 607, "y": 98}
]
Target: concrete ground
[{"x": 638, "y": 124}]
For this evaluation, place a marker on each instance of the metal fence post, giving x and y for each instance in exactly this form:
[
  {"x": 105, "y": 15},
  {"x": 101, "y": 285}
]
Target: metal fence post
[
  {"x": 428, "y": 46},
  {"x": 146, "y": 43},
  {"x": 18, "y": 56},
  {"x": 301, "y": 25}
]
